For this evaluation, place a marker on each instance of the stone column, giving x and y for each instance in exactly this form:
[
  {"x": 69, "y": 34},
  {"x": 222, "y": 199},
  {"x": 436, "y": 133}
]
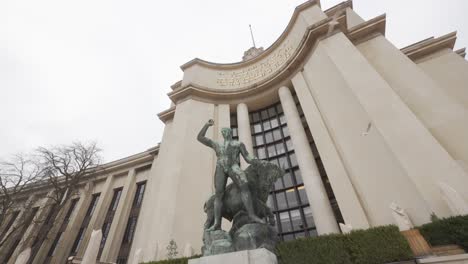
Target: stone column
[
  {"x": 119, "y": 222},
  {"x": 92, "y": 250},
  {"x": 321, "y": 209},
  {"x": 243, "y": 129},
  {"x": 69, "y": 235},
  {"x": 97, "y": 219}
]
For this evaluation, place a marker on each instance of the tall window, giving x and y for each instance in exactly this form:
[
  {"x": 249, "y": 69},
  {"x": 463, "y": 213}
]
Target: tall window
[
  {"x": 127, "y": 240},
  {"x": 84, "y": 224},
  {"x": 27, "y": 222},
  {"x": 12, "y": 219},
  {"x": 109, "y": 218},
  {"x": 288, "y": 199},
  {"x": 58, "y": 237}
]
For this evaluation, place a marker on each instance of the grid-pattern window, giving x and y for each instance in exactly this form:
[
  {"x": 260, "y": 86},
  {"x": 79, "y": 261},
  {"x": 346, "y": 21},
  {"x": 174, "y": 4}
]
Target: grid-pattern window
[
  {"x": 84, "y": 224},
  {"x": 109, "y": 218},
  {"x": 288, "y": 199},
  {"x": 127, "y": 240}
]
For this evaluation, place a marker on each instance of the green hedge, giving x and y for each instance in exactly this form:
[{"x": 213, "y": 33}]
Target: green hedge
[
  {"x": 376, "y": 245},
  {"x": 452, "y": 230},
  {"x": 173, "y": 261}
]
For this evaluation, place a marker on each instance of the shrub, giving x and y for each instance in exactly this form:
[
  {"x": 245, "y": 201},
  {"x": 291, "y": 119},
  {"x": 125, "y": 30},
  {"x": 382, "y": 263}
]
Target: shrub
[
  {"x": 378, "y": 245},
  {"x": 173, "y": 261},
  {"x": 452, "y": 230},
  {"x": 375, "y": 245},
  {"x": 322, "y": 249}
]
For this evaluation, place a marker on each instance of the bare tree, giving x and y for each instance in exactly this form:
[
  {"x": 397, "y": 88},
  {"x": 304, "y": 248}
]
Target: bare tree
[
  {"x": 16, "y": 174},
  {"x": 58, "y": 169}
]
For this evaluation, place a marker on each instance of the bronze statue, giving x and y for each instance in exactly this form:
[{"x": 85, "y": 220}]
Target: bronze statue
[{"x": 227, "y": 165}]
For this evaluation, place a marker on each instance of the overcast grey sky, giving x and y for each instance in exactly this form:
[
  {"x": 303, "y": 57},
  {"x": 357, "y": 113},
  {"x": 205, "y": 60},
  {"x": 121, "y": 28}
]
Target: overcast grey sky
[{"x": 100, "y": 69}]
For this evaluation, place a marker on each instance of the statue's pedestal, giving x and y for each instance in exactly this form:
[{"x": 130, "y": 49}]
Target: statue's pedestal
[{"x": 256, "y": 256}]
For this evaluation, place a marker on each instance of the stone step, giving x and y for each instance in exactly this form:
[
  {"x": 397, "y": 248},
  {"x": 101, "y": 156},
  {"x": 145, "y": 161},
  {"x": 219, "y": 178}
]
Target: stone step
[{"x": 447, "y": 250}]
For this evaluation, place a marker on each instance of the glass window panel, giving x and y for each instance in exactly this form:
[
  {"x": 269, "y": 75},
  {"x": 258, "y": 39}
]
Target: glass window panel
[
  {"x": 264, "y": 114},
  {"x": 271, "y": 111},
  {"x": 269, "y": 137},
  {"x": 303, "y": 195},
  {"x": 285, "y": 131},
  {"x": 266, "y": 125},
  {"x": 287, "y": 180},
  {"x": 257, "y": 128},
  {"x": 313, "y": 233},
  {"x": 277, "y": 134},
  {"x": 281, "y": 199},
  {"x": 279, "y": 184},
  {"x": 234, "y": 132},
  {"x": 299, "y": 235},
  {"x": 283, "y": 162},
  {"x": 296, "y": 220},
  {"x": 293, "y": 159},
  {"x": 261, "y": 153},
  {"x": 285, "y": 222},
  {"x": 308, "y": 217},
  {"x": 271, "y": 151},
  {"x": 292, "y": 198},
  {"x": 255, "y": 117},
  {"x": 259, "y": 140},
  {"x": 234, "y": 120},
  {"x": 282, "y": 119},
  {"x": 298, "y": 175},
  {"x": 280, "y": 148},
  {"x": 274, "y": 122},
  {"x": 279, "y": 108},
  {"x": 275, "y": 161},
  {"x": 289, "y": 144},
  {"x": 288, "y": 237}
]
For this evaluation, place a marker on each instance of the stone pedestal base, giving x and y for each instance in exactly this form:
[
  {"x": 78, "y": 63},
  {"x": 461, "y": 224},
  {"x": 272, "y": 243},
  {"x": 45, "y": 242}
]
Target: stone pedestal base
[{"x": 256, "y": 256}]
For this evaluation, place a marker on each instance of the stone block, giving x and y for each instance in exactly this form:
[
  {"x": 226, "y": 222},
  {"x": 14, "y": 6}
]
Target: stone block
[{"x": 256, "y": 256}]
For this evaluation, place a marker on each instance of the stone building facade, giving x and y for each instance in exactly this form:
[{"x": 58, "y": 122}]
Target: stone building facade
[{"x": 356, "y": 123}]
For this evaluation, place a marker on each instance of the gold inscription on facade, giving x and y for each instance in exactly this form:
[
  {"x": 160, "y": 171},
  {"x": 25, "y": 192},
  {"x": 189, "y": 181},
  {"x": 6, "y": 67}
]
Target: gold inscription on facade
[{"x": 257, "y": 71}]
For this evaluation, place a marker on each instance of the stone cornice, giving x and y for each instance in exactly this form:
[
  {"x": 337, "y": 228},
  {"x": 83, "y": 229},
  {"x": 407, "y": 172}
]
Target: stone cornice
[
  {"x": 167, "y": 114},
  {"x": 429, "y": 46},
  {"x": 369, "y": 28},
  {"x": 176, "y": 85},
  {"x": 267, "y": 52},
  {"x": 461, "y": 52},
  {"x": 339, "y": 7}
]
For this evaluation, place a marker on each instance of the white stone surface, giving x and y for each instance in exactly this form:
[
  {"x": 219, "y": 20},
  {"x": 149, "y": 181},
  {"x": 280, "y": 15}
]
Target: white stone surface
[
  {"x": 243, "y": 128},
  {"x": 137, "y": 258},
  {"x": 257, "y": 256},
  {"x": 345, "y": 194},
  {"x": 346, "y": 228},
  {"x": 188, "y": 250},
  {"x": 401, "y": 217},
  {"x": 455, "y": 259},
  {"x": 92, "y": 249},
  {"x": 23, "y": 256},
  {"x": 455, "y": 202}
]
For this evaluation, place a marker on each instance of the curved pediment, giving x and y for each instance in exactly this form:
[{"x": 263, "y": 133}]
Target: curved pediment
[{"x": 239, "y": 75}]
